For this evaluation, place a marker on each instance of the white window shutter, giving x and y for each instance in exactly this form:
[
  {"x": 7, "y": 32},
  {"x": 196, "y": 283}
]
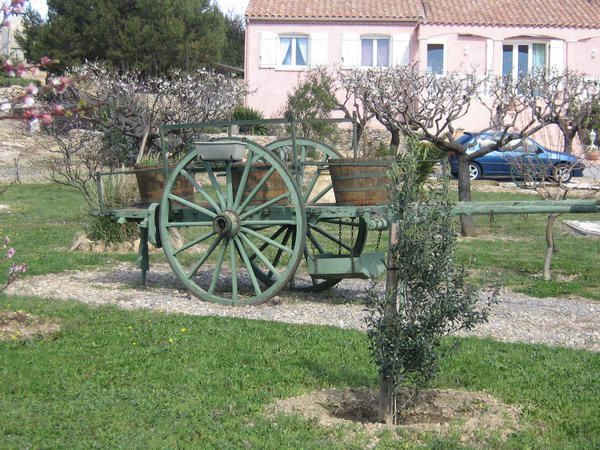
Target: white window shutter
[
  {"x": 557, "y": 56},
  {"x": 400, "y": 50},
  {"x": 268, "y": 49},
  {"x": 489, "y": 51},
  {"x": 350, "y": 50},
  {"x": 318, "y": 49}
]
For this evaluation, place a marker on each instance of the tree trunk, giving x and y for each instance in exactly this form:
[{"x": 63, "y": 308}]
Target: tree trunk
[
  {"x": 568, "y": 141},
  {"x": 387, "y": 396},
  {"x": 467, "y": 224},
  {"x": 549, "y": 246},
  {"x": 395, "y": 141},
  {"x": 359, "y": 132}
]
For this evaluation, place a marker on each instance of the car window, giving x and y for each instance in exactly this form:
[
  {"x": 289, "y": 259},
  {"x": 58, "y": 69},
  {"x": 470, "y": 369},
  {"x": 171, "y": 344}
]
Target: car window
[
  {"x": 513, "y": 146},
  {"x": 465, "y": 139},
  {"x": 530, "y": 146}
]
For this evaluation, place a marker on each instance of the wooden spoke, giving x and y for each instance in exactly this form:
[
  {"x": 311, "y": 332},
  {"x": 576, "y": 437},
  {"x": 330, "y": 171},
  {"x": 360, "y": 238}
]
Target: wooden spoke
[
  {"x": 331, "y": 237},
  {"x": 260, "y": 255},
  {"x": 217, "y": 269},
  {"x": 243, "y": 181},
  {"x": 229, "y": 182},
  {"x": 320, "y": 195},
  {"x": 256, "y": 189},
  {"x": 315, "y": 242},
  {"x": 266, "y": 239},
  {"x": 204, "y": 257},
  {"x": 192, "y": 205},
  {"x": 215, "y": 185},
  {"x": 265, "y": 205},
  {"x": 187, "y": 224},
  {"x": 194, "y": 242},
  {"x": 233, "y": 270},
  {"x": 201, "y": 190},
  {"x": 248, "y": 264}
]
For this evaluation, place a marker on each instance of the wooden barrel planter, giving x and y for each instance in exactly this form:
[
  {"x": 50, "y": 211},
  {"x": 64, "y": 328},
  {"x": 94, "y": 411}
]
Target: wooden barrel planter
[
  {"x": 593, "y": 156},
  {"x": 151, "y": 183},
  {"x": 360, "y": 181},
  {"x": 272, "y": 188}
]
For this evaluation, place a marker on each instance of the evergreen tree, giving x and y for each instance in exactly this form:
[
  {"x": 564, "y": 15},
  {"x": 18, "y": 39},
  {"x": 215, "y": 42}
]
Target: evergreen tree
[
  {"x": 150, "y": 35},
  {"x": 233, "y": 53}
]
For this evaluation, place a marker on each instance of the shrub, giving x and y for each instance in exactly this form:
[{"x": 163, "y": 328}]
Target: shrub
[
  {"x": 314, "y": 98},
  {"x": 246, "y": 113}
]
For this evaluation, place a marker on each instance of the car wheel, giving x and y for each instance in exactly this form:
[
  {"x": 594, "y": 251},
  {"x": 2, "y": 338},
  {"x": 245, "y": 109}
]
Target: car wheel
[
  {"x": 562, "y": 173},
  {"x": 474, "y": 171}
]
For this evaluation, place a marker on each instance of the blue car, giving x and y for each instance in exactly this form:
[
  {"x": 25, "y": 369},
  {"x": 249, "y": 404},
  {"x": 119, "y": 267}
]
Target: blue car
[{"x": 506, "y": 163}]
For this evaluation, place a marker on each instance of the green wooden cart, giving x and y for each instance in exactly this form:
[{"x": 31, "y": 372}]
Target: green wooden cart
[{"x": 258, "y": 212}]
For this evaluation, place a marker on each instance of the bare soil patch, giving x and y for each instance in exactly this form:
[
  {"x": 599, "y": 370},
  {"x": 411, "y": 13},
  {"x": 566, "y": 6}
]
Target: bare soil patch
[
  {"x": 474, "y": 416},
  {"x": 19, "y": 325}
]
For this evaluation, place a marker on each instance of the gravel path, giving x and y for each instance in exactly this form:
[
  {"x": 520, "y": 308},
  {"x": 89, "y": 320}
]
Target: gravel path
[{"x": 516, "y": 318}]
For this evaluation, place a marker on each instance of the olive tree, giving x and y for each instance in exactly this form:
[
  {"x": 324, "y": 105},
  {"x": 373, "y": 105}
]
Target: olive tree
[{"x": 426, "y": 295}]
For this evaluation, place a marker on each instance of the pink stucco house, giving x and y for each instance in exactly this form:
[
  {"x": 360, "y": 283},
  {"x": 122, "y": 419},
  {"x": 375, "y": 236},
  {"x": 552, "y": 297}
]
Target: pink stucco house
[{"x": 284, "y": 38}]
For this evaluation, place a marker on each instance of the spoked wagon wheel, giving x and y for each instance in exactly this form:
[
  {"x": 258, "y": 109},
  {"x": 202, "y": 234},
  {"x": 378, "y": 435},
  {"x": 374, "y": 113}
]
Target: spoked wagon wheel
[
  {"x": 324, "y": 237},
  {"x": 230, "y": 227}
]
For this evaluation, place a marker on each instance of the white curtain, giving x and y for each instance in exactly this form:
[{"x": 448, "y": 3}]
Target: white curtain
[
  {"x": 301, "y": 51},
  {"x": 285, "y": 49}
]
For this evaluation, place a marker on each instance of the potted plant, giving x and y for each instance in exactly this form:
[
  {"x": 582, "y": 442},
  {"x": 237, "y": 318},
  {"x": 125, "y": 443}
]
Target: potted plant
[
  {"x": 362, "y": 180},
  {"x": 151, "y": 181}
]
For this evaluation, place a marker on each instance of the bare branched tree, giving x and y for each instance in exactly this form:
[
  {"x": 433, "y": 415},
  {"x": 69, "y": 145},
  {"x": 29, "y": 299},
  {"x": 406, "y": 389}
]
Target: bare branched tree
[
  {"x": 541, "y": 174},
  {"x": 562, "y": 99},
  {"x": 353, "y": 102},
  {"x": 132, "y": 108},
  {"x": 78, "y": 157},
  {"x": 429, "y": 107}
]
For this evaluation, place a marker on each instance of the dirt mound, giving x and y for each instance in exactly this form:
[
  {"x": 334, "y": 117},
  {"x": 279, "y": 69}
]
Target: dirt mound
[
  {"x": 475, "y": 416},
  {"x": 22, "y": 326}
]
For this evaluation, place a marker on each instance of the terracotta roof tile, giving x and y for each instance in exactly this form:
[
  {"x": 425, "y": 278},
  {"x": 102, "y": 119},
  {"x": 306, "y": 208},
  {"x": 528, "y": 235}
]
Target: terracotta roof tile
[
  {"x": 556, "y": 13},
  {"x": 561, "y": 13},
  {"x": 335, "y": 9}
]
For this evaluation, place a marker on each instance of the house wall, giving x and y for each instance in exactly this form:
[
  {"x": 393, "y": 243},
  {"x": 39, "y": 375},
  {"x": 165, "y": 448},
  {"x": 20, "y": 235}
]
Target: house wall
[
  {"x": 270, "y": 86},
  {"x": 467, "y": 48},
  {"x": 9, "y": 48}
]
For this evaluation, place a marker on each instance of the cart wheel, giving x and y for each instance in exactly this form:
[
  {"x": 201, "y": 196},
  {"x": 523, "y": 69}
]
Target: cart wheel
[
  {"x": 315, "y": 183},
  {"x": 235, "y": 209}
]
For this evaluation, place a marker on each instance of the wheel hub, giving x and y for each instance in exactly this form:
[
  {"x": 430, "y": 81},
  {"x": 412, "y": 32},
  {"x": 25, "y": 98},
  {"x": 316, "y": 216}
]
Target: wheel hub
[{"x": 227, "y": 224}]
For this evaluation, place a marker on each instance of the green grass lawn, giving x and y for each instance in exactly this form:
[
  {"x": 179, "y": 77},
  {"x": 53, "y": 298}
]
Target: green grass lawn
[
  {"x": 514, "y": 248},
  {"x": 42, "y": 222},
  {"x": 134, "y": 379},
  {"x": 44, "y": 219},
  {"x": 112, "y": 378}
]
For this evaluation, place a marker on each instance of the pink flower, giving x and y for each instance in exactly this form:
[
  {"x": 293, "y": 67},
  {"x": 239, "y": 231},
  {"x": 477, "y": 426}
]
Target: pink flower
[
  {"x": 10, "y": 253},
  {"x": 17, "y": 268},
  {"x": 32, "y": 89},
  {"x": 6, "y": 240},
  {"x": 28, "y": 100},
  {"x": 34, "y": 125},
  {"x": 46, "y": 119}
]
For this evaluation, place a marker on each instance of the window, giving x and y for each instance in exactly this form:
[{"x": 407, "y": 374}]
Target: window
[
  {"x": 374, "y": 52},
  {"x": 435, "y": 58},
  {"x": 293, "y": 51},
  {"x": 519, "y": 59}
]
